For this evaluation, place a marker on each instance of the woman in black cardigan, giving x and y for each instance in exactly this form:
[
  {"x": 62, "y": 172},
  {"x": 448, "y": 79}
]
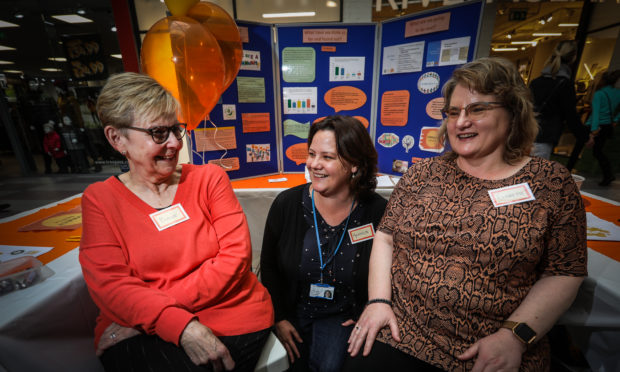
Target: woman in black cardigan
[{"x": 318, "y": 290}]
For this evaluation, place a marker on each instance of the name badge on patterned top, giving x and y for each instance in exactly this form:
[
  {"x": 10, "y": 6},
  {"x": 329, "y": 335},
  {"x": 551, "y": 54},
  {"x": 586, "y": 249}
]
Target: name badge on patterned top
[
  {"x": 511, "y": 195},
  {"x": 361, "y": 233},
  {"x": 165, "y": 218}
]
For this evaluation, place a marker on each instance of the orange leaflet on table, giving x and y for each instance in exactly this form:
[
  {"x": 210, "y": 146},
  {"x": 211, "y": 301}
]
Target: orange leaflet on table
[
  {"x": 212, "y": 139},
  {"x": 434, "y": 107},
  {"x": 297, "y": 153},
  {"x": 255, "y": 122},
  {"x": 395, "y": 108},
  {"x": 228, "y": 164},
  {"x": 68, "y": 220},
  {"x": 345, "y": 98},
  {"x": 362, "y": 120}
]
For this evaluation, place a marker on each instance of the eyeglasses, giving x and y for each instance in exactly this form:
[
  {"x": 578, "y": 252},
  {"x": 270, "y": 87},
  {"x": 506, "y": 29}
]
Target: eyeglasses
[
  {"x": 474, "y": 111},
  {"x": 161, "y": 134}
]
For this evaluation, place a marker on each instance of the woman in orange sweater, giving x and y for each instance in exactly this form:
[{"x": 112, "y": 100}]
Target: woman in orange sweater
[{"x": 166, "y": 250}]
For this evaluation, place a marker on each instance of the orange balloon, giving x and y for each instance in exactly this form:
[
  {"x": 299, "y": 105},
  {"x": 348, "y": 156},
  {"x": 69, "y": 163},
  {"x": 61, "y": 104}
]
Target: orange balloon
[
  {"x": 186, "y": 59},
  {"x": 225, "y": 30},
  {"x": 179, "y": 7}
]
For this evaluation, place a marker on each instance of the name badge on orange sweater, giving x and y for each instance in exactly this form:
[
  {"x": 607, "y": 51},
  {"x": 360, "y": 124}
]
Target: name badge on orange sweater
[
  {"x": 165, "y": 218},
  {"x": 511, "y": 195}
]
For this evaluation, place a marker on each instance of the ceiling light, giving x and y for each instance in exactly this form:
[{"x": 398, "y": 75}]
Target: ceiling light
[
  {"x": 504, "y": 49},
  {"x": 18, "y": 15},
  {"x": 81, "y": 11},
  {"x": 6, "y": 62},
  {"x": 287, "y": 15},
  {"x": 13, "y": 71},
  {"x": 547, "y": 34},
  {"x": 57, "y": 59},
  {"x": 72, "y": 18},
  {"x": 4, "y": 24},
  {"x": 509, "y": 36},
  {"x": 50, "y": 69},
  {"x": 119, "y": 56},
  {"x": 113, "y": 29},
  {"x": 568, "y": 24},
  {"x": 542, "y": 21},
  {"x": 2, "y": 47},
  {"x": 533, "y": 43},
  {"x": 588, "y": 71},
  {"x": 549, "y": 18},
  {"x": 331, "y": 4},
  {"x": 522, "y": 48}
]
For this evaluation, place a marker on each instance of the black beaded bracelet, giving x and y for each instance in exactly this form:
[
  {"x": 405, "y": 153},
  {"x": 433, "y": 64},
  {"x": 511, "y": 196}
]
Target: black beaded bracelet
[{"x": 379, "y": 300}]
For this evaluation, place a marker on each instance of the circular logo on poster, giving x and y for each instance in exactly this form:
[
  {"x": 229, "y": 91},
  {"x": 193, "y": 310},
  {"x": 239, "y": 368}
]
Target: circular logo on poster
[{"x": 428, "y": 82}]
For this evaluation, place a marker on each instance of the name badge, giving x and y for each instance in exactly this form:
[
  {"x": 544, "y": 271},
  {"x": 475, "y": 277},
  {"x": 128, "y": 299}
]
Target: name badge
[
  {"x": 173, "y": 215},
  {"x": 361, "y": 233},
  {"x": 511, "y": 195},
  {"x": 320, "y": 290}
]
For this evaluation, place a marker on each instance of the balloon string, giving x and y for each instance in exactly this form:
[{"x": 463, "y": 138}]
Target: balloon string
[
  {"x": 195, "y": 152},
  {"x": 220, "y": 146}
]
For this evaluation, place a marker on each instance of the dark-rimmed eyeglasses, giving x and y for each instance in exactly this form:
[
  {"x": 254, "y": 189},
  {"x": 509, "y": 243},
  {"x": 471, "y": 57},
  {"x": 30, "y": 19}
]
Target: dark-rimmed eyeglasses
[
  {"x": 161, "y": 134},
  {"x": 474, "y": 111}
]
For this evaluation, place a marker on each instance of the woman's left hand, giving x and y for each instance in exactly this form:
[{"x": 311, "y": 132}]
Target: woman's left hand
[
  {"x": 112, "y": 335},
  {"x": 500, "y": 351}
]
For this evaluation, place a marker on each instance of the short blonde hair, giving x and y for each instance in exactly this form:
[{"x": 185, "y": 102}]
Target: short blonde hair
[
  {"x": 499, "y": 77},
  {"x": 128, "y": 97}
]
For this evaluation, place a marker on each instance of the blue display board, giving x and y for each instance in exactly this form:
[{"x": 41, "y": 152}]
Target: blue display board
[
  {"x": 313, "y": 60},
  {"x": 255, "y": 151},
  {"x": 413, "y": 71}
]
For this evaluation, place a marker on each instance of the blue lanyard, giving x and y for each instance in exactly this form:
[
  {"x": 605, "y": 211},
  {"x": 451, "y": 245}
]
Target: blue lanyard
[{"x": 318, "y": 241}]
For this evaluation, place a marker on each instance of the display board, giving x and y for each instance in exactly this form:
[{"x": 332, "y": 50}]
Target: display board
[
  {"x": 324, "y": 70},
  {"x": 241, "y": 135},
  {"x": 418, "y": 55}
]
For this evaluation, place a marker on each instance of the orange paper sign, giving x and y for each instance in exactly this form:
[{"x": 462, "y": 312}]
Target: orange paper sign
[
  {"x": 421, "y": 26},
  {"x": 213, "y": 139},
  {"x": 434, "y": 107},
  {"x": 255, "y": 122},
  {"x": 345, "y": 98},
  {"x": 228, "y": 164},
  {"x": 297, "y": 153},
  {"x": 325, "y": 35},
  {"x": 395, "y": 108},
  {"x": 243, "y": 32},
  {"x": 429, "y": 139},
  {"x": 328, "y": 48}
]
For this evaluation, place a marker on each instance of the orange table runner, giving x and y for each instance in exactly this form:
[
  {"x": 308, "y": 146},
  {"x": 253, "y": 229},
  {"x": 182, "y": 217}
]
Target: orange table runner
[{"x": 58, "y": 238}]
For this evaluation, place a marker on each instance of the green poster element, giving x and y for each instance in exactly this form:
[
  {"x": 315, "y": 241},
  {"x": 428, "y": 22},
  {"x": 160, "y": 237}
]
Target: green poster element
[
  {"x": 251, "y": 89},
  {"x": 295, "y": 128},
  {"x": 298, "y": 64}
]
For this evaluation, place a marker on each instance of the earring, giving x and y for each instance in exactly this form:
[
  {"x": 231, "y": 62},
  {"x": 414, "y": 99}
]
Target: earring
[{"x": 124, "y": 153}]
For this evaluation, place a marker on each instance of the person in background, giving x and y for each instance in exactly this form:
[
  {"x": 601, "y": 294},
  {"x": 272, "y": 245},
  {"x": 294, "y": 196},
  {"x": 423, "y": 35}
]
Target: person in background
[
  {"x": 481, "y": 249},
  {"x": 165, "y": 248},
  {"x": 53, "y": 147},
  {"x": 555, "y": 103},
  {"x": 604, "y": 116},
  {"x": 317, "y": 242}
]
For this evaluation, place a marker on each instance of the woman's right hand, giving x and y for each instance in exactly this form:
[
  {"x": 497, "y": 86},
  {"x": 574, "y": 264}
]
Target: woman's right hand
[
  {"x": 375, "y": 317},
  {"x": 288, "y": 336},
  {"x": 203, "y": 347}
]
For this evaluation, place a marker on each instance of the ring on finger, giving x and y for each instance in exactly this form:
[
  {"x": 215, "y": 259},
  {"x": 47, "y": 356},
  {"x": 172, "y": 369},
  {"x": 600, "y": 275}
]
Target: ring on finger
[
  {"x": 357, "y": 328},
  {"x": 113, "y": 336}
]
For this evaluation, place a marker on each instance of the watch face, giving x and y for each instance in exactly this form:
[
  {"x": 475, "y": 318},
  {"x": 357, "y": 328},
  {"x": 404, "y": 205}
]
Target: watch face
[{"x": 526, "y": 333}]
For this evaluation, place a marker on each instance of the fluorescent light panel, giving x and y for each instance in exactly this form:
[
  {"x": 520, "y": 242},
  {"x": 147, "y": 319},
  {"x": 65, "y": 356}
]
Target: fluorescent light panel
[
  {"x": 2, "y": 47},
  {"x": 50, "y": 69},
  {"x": 119, "y": 56},
  {"x": 72, "y": 18},
  {"x": 504, "y": 49},
  {"x": 6, "y": 62},
  {"x": 524, "y": 42},
  {"x": 288, "y": 15},
  {"x": 568, "y": 24},
  {"x": 13, "y": 71},
  {"x": 5, "y": 24},
  {"x": 547, "y": 34},
  {"x": 57, "y": 59}
]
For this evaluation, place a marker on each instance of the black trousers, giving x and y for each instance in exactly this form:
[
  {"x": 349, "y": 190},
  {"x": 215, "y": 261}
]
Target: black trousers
[
  {"x": 383, "y": 358},
  {"x": 603, "y": 135},
  {"x": 151, "y": 353}
]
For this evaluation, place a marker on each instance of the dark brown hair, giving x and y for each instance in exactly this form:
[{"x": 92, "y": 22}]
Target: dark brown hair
[{"x": 354, "y": 146}]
